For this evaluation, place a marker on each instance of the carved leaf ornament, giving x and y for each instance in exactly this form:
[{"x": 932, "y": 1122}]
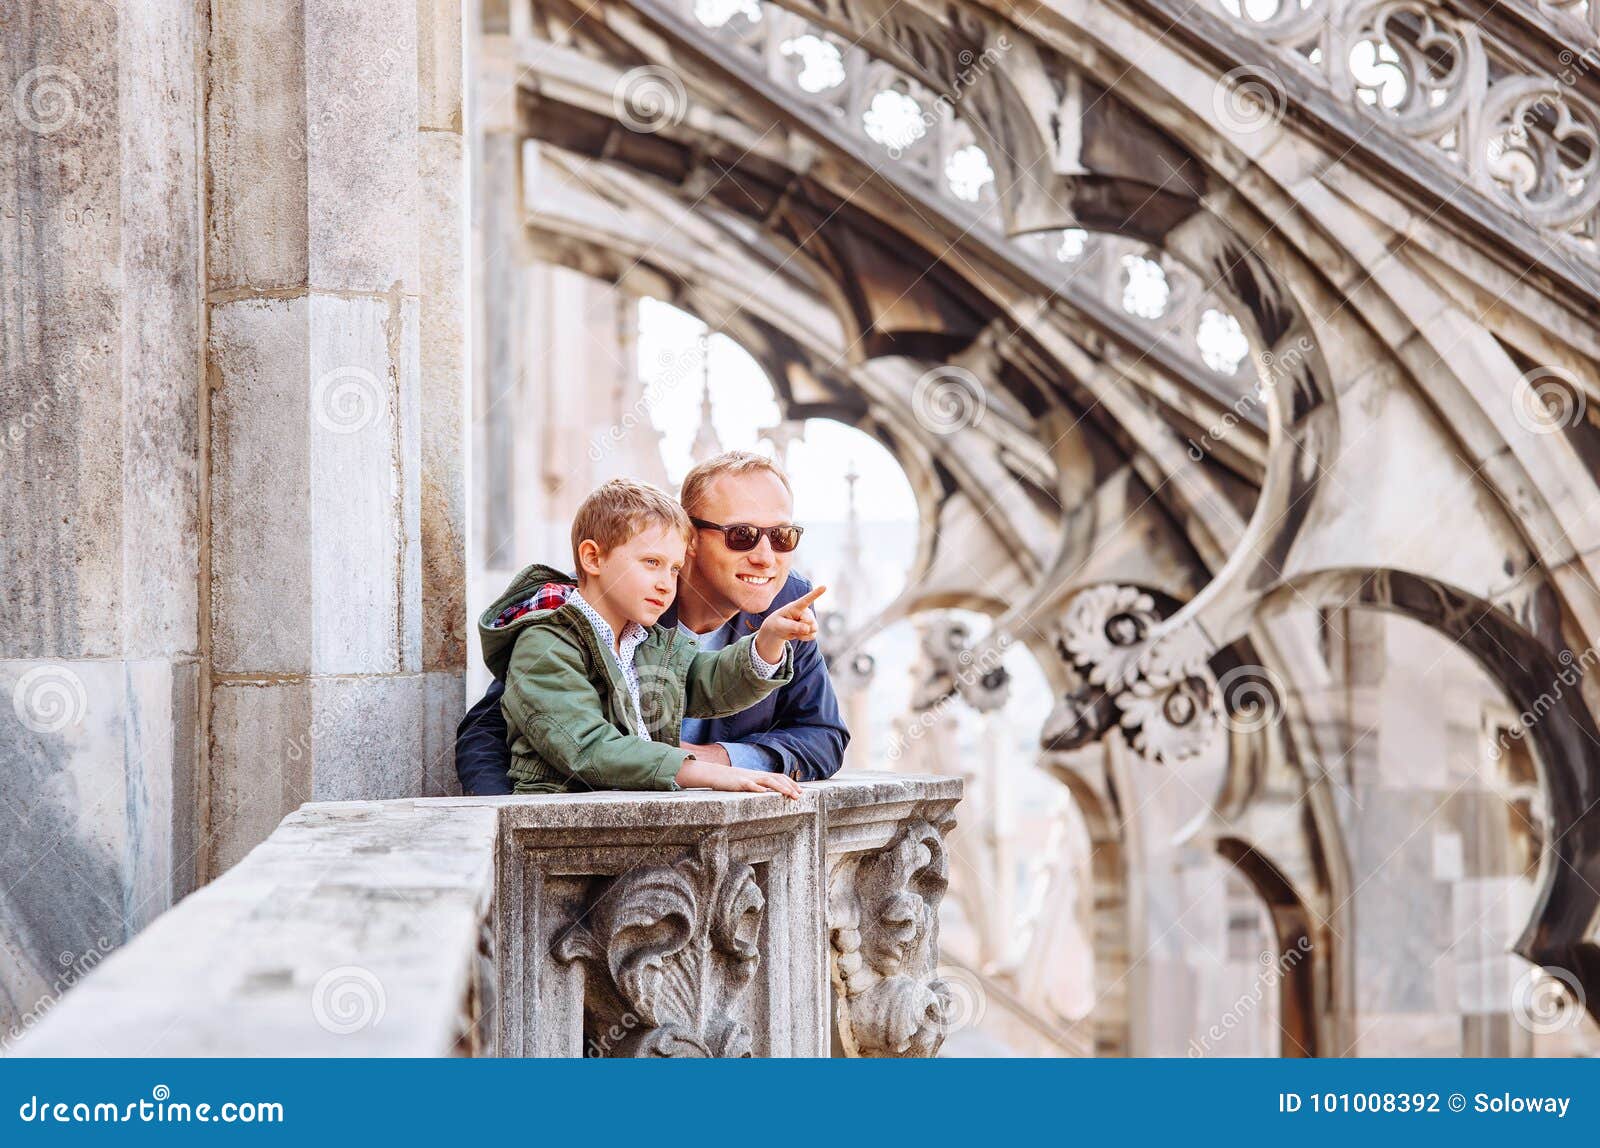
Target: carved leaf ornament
[{"x": 673, "y": 948}]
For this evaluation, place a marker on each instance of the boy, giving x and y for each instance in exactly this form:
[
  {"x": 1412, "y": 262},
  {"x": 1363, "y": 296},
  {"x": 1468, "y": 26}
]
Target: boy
[{"x": 595, "y": 691}]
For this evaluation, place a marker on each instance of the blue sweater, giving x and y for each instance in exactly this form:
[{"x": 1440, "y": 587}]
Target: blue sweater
[{"x": 799, "y": 723}]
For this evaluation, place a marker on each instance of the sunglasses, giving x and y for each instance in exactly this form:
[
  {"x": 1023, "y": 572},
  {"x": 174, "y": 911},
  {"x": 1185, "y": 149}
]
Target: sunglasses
[{"x": 741, "y": 536}]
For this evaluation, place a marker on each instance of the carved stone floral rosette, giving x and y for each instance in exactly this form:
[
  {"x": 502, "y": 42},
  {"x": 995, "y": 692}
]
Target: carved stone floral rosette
[
  {"x": 950, "y": 667},
  {"x": 1160, "y": 684},
  {"x": 669, "y": 950},
  {"x": 884, "y": 929}
]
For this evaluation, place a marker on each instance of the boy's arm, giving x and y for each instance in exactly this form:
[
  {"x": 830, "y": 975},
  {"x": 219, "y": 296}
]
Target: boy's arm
[
  {"x": 726, "y": 681},
  {"x": 550, "y": 701},
  {"x": 807, "y": 733}
]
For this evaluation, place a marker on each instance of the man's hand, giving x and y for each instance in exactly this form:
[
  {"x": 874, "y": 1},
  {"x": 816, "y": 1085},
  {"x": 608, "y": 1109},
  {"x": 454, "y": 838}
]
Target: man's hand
[
  {"x": 793, "y": 621},
  {"x": 696, "y": 774},
  {"x": 711, "y": 752}
]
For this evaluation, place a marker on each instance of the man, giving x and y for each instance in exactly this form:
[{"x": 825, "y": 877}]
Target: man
[{"x": 742, "y": 509}]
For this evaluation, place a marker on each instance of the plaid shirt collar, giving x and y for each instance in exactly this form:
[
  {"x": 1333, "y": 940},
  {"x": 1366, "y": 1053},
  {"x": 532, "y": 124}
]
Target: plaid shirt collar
[{"x": 546, "y": 597}]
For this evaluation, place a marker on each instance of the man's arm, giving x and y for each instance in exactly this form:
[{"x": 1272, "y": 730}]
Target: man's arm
[
  {"x": 483, "y": 759},
  {"x": 807, "y": 735},
  {"x": 725, "y": 681}
]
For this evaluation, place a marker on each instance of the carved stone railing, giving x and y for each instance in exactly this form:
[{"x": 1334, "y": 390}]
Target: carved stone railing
[{"x": 606, "y": 924}]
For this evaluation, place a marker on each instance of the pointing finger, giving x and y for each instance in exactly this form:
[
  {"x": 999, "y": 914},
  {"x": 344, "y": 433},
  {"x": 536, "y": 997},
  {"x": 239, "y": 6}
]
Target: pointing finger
[{"x": 793, "y": 608}]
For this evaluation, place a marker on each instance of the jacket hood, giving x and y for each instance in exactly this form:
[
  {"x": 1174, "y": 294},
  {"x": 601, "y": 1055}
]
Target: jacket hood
[{"x": 498, "y": 640}]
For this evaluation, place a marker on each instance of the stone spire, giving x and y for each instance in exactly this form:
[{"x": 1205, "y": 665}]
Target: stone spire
[
  {"x": 852, "y": 574},
  {"x": 783, "y": 435},
  {"x": 706, "y": 443}
]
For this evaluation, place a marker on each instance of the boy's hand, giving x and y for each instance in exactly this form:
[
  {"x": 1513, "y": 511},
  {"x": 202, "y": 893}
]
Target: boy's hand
[
  {"x": 793, "y": 621},
  {"x": 696, "y": 774}
]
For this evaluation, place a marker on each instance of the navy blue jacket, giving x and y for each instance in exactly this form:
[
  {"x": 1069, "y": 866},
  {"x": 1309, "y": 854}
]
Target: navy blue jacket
[{"x": 799, "y": 722}]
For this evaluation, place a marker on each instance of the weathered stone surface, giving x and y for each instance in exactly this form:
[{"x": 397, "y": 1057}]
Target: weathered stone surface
[
  {"x": 256, "y": 133},
  {"x": 887, "y": 874},
  {"x": 444, "y": 703},
  {"x": 352, "y": 931},
  {"x": 443, "y": 357},
  {"x": 361, "y": 148},
  {"x": 317, "y": 395},
  {"x": 100, "y": 385},
  {"x": 263, "y": 160},
  {"x": 97, "y": 791},
  {"x": 260, "y": 766},
  {"x": 366, "y": 737},
  {"x": 260, "y": 452},
  {"x": 439, "y": 80}
]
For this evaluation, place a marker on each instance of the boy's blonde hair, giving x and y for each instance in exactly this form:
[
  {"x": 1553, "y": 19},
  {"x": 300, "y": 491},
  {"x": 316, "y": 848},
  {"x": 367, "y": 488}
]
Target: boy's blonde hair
[
  {"x": 699, "y": 480},
  {"x": 622, "y": 508}
]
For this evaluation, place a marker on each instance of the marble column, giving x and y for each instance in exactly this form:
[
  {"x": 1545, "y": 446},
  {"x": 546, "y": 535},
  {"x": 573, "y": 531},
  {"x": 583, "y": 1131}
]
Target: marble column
[
  {"x": 499, "y": 311},
  {"x": 100, "y": 383},
  {"x": 316, "y": 274},
  {"x": 442, "y": 203}
]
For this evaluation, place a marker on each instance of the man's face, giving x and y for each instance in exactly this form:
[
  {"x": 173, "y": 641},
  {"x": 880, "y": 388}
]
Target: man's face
[
  {"x": 638, "y": 578},
  {"x": 740, "y": 580}
]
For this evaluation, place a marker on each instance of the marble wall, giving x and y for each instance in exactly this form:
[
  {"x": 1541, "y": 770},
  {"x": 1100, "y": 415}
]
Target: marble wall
[
  {"x": 232, "y": 428},
  {"x": 100, "y": 478}
]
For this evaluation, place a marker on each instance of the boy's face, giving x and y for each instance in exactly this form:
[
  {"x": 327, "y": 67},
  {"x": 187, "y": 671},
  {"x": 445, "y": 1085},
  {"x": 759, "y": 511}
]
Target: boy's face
[{"x": 639, "y": 577}]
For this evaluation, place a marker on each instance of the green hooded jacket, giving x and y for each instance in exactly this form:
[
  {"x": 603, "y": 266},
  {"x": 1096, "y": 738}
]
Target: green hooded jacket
[{"x": 568, "y": 713}]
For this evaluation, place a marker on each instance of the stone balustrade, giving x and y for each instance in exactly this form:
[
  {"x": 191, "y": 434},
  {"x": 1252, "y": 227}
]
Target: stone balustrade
[{"x": 604, "y": 924}]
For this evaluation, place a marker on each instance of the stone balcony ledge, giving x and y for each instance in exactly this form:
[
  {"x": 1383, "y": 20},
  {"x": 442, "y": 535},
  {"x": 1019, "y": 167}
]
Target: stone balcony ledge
[{"x": 604, "y": 924}]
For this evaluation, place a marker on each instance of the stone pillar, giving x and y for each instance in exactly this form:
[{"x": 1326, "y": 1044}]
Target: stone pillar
[
  {"x": 499, "y": 315},
  {"x": 442, "y": 204},
  {"x": 100, "y": 382},
  {"x": 315, "y": 276},
  {"x": 498, "y": 256}
]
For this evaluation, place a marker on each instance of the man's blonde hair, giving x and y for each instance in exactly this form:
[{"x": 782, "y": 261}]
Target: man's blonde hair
[
  {"x": 622, "y": 508},
  {"x": 699, "y": 480}
]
